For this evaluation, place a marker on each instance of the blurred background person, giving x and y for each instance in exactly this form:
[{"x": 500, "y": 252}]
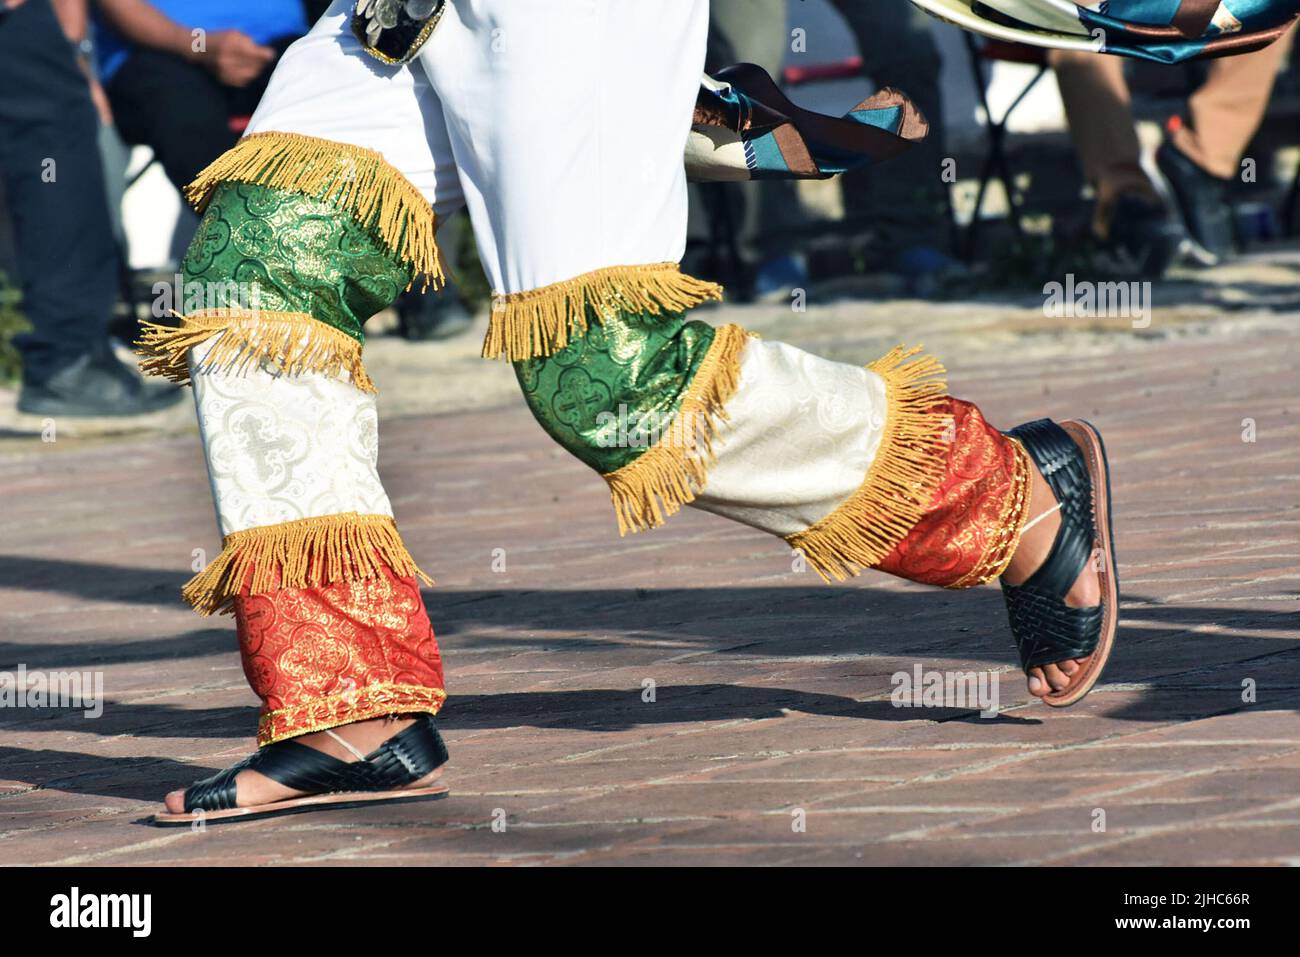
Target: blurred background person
[
  {"x": 183, "y": 75},
  {"x": 54, "y": 187},
  {"x": 1199, "y": 158}
]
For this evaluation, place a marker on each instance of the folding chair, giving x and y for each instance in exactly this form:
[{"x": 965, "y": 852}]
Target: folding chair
[{"x": 983, "y": 51}]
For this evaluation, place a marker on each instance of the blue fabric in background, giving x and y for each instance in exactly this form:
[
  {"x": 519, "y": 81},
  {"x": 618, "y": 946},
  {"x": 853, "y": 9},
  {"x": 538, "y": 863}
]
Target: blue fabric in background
[
  {"x": 263, "y": 20},
  {"x": 1255, "y": 16}
]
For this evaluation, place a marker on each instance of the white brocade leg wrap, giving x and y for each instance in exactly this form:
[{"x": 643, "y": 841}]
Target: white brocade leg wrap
[
  {"x": 282, "y": 448},
  {"x": 800, "y": 434}
]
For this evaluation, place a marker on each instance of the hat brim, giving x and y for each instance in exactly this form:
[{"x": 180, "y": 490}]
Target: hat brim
[{"x": 959, "y": 13}]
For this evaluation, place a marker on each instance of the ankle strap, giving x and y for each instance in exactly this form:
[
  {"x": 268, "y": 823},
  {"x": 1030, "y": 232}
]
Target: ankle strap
[
  {"x": 1065, "y": 470},
  {"x": 355, "y": 752}
]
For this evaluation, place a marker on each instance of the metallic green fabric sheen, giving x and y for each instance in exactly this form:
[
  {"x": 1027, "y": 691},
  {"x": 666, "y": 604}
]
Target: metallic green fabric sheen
[
  {"x": 609, "y": 394},
  {"x": 277, "y": 251}
]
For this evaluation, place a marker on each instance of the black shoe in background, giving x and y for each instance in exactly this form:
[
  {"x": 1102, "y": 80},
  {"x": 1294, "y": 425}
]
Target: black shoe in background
[
  {"x": 428, "y": 316},
  {"x": 96, "y": 385},
  {"x": 1143, "y": 235},
  {"x": 1203, "y": 204}
]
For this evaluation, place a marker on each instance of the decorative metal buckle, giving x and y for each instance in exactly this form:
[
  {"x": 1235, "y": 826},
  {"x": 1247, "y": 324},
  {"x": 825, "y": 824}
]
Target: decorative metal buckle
[{"x": 392, "y": 31}]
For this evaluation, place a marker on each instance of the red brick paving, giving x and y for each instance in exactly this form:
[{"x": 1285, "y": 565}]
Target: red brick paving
[{"x": 772, "y": 690}]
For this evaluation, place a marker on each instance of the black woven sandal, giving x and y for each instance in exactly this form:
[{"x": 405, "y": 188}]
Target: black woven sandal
[
  {"x": 412, "y": 755},
  {"x": 1047, "y": 630}
]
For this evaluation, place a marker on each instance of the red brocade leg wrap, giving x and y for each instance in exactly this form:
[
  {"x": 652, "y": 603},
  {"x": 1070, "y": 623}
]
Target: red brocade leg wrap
[
  {"x": 972, "y": 526},
  {"x": 333, "y": 654}
]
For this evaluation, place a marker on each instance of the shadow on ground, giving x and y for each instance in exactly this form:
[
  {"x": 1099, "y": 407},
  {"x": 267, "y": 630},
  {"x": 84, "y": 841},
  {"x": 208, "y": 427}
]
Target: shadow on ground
[{"x": 1186, "y": 660}]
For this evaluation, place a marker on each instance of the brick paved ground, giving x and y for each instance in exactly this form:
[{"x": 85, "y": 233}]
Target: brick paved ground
[{"x": 772, "y": 690}]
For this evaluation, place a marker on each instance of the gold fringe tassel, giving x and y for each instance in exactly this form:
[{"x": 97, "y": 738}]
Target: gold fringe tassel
[
  {"x": 525, "y": 325},
  {"x": 907, "y": 470},
  {"x": 670, "y": 473},
  {"x": 300, "y": 554},
  {"x": 357, "y": 179},
  {"x": 293, "y": 342}
]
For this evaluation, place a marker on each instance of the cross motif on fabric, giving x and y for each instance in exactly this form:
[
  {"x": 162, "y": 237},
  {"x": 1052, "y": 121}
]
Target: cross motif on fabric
[{"x": 260, "y": 448}]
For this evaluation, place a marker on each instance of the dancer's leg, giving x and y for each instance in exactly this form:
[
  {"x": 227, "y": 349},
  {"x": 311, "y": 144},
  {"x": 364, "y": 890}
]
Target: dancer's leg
[
  {"x": 854, "y": 467},
  {"x": 575, "y": 198},
  {"x": 568, "y": 121},
  {"x": 314, "y": 222},
  {"x": 292, "y": 461}
]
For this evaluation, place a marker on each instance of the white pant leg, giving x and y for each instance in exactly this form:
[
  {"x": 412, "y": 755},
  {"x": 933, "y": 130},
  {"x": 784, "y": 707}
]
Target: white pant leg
[
  {"x": 283, "y": 448},
  {"x": 800, "y": 434},
  {"x": 568, "y": 120},
  {"x": 328, "y": 87}
]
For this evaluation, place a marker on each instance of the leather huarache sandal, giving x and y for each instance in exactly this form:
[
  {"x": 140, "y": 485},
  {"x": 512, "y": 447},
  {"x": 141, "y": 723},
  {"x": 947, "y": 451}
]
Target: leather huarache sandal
[
  {"x": 1046, "y": 630},
  {"x": 412, "y": 755}
]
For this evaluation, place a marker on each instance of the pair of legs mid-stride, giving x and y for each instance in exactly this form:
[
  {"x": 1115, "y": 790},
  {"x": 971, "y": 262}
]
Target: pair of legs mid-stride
[{"x": 560, "y": 129}]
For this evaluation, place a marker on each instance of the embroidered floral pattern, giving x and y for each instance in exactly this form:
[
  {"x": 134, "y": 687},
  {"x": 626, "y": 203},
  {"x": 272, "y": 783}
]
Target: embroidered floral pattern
[{"x": 339, "y": 653}]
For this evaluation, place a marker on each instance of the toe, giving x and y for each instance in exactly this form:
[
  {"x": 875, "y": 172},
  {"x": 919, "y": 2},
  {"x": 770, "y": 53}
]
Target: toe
[
  {"x": 175, "y": 802},
  {"x": 1037, "y": 683},
  {"x": 1069, "y": 666},
  {"x": 1055, "y": 677}
]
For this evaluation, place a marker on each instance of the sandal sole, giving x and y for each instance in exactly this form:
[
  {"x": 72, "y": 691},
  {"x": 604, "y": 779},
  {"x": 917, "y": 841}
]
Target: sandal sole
[
  {"x": 302, "y": 805},
  {"x": 1099, "y": 472}
]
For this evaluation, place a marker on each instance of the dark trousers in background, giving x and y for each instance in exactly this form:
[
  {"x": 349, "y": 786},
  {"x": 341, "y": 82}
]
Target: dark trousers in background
[
  {"x": 54, "y": 187},
  {"x": 179, "y": 110},
  {"x": 907, "y": 199}
]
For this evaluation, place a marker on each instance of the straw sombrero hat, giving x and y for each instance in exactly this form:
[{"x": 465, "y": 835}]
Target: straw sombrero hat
[{"x": 1167, "y": 31}]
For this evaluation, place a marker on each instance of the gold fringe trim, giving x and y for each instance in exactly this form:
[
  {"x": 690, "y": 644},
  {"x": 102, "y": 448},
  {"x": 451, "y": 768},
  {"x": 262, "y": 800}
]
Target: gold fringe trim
[
  {"x": 1015, "y": 512},
  {"x": 357, "y": 179},
  {"x": 346, "y": 707},
  {"x": 293, "y": 342},
  {"x": 670, "y": 473},
  {"x": 300, "y": 554},
  {"x": 907, "y": 470},
  {"x": 525, "y": 325}
]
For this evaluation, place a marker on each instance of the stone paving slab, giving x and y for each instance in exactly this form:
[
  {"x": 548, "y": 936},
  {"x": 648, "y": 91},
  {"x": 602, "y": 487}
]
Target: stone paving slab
[{"x": 771, "y": 738}]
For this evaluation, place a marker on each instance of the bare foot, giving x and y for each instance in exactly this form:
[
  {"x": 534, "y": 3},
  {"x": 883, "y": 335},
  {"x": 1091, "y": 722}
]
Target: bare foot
[
  {"x": 1035, "y": 544},
  {"x": 254, "y": 788}
]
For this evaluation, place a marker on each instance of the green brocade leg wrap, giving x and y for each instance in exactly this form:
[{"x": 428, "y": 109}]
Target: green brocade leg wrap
[
  {"x": 638, "y": 397},
  {"x": 276, "y": 275},
  {"x": 293, "y": 253},
  {"x": 610, "y": 392}
]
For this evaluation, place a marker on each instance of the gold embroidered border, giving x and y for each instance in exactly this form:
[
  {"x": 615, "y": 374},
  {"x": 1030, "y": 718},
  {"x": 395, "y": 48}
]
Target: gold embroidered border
[
  {"x": 411, "y": 50},
  {"x": 346, "y": 708},
  {"x": 1015, "y": 512}
]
